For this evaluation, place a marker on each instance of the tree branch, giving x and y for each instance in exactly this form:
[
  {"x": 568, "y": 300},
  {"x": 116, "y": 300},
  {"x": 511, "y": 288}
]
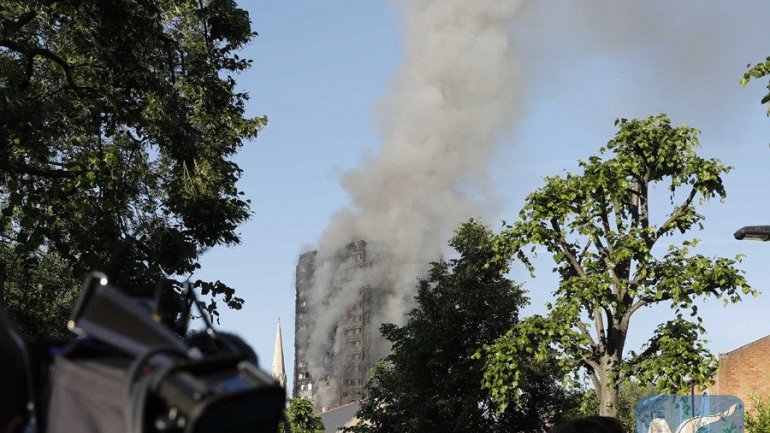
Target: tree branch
[
  {"x": 604, "y": 216},
  {"x": 44, "y": 172},
  {"x": 631, "y": 310},
  {"x": 635, "y": 204},
  {"x": 601, "y": 332},
  {"x": 595, "y": 380},
  {"x": 678, "y": 212},
  {"x": 567, "y": 249},
  {"x": 22, "y": 20},
  {"x": 585, "y": 247},
  {"x": 618, "y": 216},
  {"x": 32, "y": 52},
  {"x": 594, "y": 369},
  {"x": 584, "y": 330},
  {"x": 644, "y": 200}
]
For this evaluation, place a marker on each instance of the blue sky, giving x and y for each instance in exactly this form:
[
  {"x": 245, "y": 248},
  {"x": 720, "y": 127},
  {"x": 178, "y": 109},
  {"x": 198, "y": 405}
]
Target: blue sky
[{"x": 320, "y": 66}]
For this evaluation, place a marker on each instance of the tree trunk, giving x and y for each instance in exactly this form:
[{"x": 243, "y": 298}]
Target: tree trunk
[
  {"x": 608, "y": 400},
  {"x": 2, "y": 284},
  {"x": 608, "y": 392}
]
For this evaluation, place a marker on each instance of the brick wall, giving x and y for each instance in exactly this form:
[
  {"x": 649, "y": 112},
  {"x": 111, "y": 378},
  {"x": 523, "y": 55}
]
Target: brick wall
[{"x": 743, "y": 371}]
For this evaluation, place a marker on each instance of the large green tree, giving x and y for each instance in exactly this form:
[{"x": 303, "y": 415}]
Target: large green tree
[
  {"x": 431, "y": 380},
  {"x": 301, "y": 418},
  {"x": 118, "y": 123},
  {"x": 604, "y": 228}
]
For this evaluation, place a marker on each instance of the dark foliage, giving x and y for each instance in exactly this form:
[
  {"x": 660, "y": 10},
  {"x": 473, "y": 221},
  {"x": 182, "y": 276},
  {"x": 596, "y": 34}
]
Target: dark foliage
[
  {"x": 118, "y": 123},
  {"x": 431, "y": 381}
]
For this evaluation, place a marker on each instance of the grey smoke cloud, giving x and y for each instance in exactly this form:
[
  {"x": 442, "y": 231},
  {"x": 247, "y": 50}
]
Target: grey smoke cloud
[
  {"x": 683, "y": 57},
  {"x": 460, "y": 87},
  {"x": 439, "y": 122}
]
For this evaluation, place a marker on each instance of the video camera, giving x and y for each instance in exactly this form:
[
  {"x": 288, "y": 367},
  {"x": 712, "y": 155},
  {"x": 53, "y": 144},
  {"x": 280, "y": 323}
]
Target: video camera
[{"x": 129, "y": 372}]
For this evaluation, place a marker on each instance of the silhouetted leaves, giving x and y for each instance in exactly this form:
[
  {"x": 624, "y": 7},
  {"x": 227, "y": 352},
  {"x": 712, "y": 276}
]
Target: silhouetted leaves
[
  {"x": 119, "y": 120},
  {"x": 432, "y": 379}
]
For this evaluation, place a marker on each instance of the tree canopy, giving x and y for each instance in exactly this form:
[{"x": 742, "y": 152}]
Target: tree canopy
[
  {"x": 431, "y": 380},
  {"x": 602, "y": 227},
  {"x": 756, "y": 71},
  {"x": 119, "y": 120},
  {"x": 301, "y": 418}
]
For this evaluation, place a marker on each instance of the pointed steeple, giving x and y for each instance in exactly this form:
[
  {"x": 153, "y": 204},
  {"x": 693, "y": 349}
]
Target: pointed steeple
[{"x": 279, "y": 372}]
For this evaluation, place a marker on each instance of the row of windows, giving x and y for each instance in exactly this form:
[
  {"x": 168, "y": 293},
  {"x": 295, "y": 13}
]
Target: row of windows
[{"x": 306, "y": 387}]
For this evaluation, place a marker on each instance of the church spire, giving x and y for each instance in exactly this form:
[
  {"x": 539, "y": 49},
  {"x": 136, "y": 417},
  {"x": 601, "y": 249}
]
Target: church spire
[{"x": 279, "y": 372}]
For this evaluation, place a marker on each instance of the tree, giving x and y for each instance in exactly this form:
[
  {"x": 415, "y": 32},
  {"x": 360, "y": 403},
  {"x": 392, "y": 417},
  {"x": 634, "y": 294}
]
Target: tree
[
  {"x": 600, "y": 228},
  {"x": 757, "y": 71},
  {"x": 758, "y": 421},
  {"x": 431, "y": 380},
  {"x": 630, "y": 392},
  {"x": 301, "y": 418},
  {"x": 39, "y": 290},
  {"x": 118, "y": 123}
]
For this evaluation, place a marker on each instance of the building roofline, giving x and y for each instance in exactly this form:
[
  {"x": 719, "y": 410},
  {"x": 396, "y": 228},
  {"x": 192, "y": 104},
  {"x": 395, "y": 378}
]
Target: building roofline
[
  {"x": 745, "y": 346},
  {"x": 339, "y": 407}
]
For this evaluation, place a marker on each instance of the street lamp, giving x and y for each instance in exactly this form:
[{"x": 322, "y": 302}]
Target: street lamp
[
  {"x": 753, "y": 233},
  {"x": 692, "y": 384}
]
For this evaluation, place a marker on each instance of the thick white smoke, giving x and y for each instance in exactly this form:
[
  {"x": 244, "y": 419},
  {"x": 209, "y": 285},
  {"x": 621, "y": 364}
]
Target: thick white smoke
[{"x": 447, "y": 105}]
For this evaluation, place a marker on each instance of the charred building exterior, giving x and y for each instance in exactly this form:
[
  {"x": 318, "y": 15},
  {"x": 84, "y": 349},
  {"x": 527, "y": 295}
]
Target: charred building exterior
[{"x": 350, "y": 361}]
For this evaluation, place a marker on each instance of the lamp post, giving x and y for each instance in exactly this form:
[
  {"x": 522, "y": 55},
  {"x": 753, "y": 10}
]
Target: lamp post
[
  {"x": 692, "y": 384},
  {"x": 753, "y": 233}
]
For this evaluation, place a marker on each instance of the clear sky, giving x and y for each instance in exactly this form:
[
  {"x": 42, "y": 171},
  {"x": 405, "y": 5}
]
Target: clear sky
[{"x": 320, "y": 66}]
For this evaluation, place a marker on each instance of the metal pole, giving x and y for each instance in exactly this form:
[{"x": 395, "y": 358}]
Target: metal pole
[{"x": 692, "y": 399}]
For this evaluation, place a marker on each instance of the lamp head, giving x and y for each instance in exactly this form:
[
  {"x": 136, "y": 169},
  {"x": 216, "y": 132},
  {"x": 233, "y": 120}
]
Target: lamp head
[{"x": 754, "y": 233}]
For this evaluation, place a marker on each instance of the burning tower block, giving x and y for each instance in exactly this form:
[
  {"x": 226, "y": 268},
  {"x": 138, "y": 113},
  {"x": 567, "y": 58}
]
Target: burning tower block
[{"x": 350, "y": 363}]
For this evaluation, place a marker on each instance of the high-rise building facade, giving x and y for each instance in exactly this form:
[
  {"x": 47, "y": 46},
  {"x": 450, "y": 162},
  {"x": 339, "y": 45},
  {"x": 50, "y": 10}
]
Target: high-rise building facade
[{"x": 349, "y": 363}]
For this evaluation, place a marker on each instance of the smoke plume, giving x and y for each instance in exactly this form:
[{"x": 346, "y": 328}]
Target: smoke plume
[{"x": 439, "y": 122}]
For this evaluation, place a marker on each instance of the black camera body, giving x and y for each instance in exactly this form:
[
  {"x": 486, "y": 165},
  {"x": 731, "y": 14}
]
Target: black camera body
[
  {"x": 208, "y": 396},
  {"x": 129, "y": 373}
]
